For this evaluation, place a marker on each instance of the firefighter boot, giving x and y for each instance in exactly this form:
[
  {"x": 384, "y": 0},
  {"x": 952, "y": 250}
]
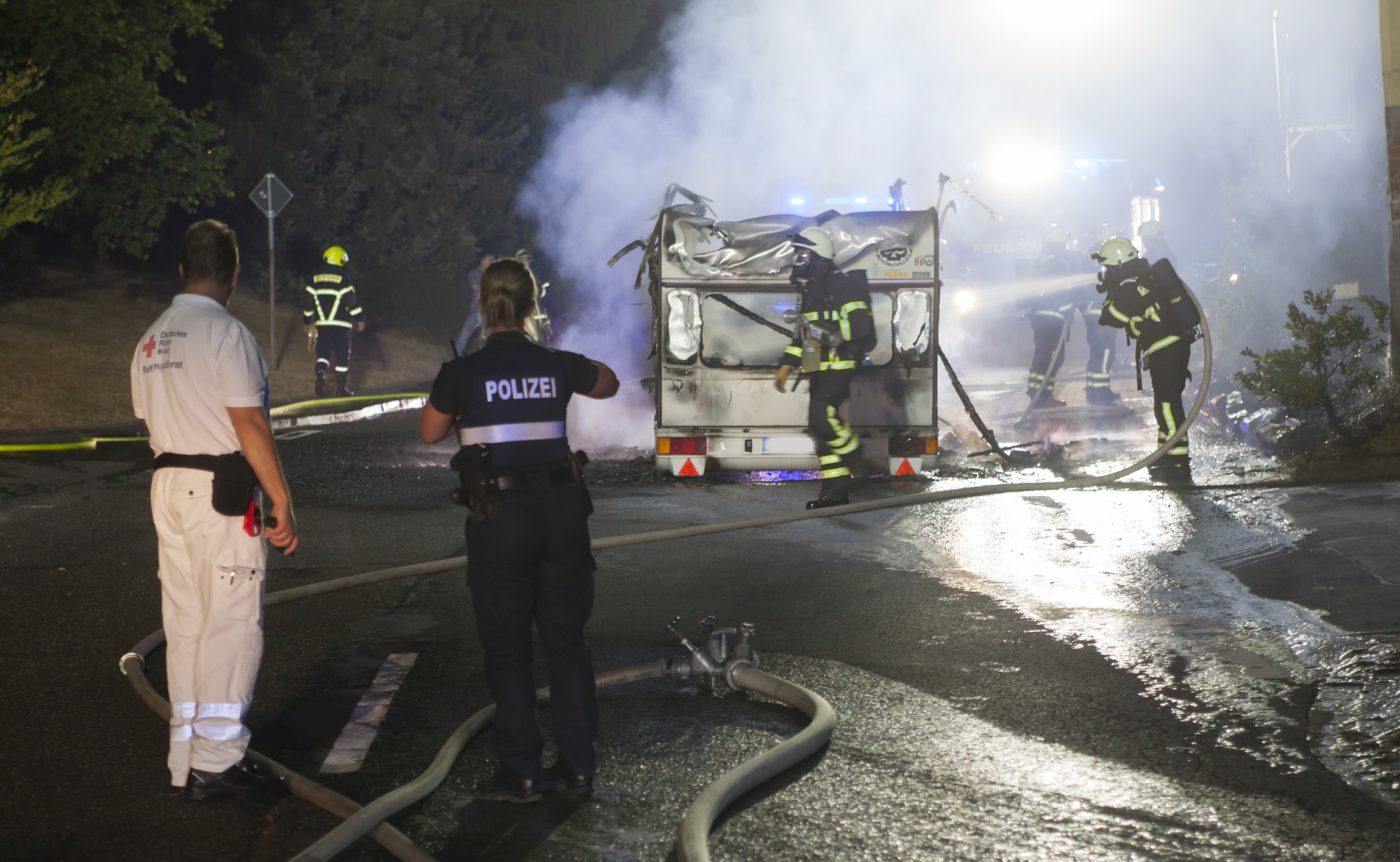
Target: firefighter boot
[
  {"x": 321, "y": 389},
  {"x": 1044, "y": 400},
  {"x": 1173, "y": 470},
  {"x": 860, "y": 474},
  {"x": 1102, "y": 397},
  {"x": 835, "y": 492},
  {"x": 342, "y": 385}
]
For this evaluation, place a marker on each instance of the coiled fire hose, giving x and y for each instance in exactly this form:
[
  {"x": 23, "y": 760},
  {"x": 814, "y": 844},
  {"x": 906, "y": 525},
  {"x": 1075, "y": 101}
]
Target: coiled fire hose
[{"x": 706, "y": 808}]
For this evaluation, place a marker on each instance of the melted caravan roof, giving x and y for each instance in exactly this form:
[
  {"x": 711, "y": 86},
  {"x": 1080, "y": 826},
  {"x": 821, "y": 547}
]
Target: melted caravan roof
[{"x": 888, "y": 245}]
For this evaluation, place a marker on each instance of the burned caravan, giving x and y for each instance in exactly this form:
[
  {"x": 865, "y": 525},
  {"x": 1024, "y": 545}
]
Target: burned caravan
[{"x": 723, "y": 313}]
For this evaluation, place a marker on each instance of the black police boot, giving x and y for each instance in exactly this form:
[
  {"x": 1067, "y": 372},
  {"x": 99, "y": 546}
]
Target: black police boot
[
  {"x": 562, "y": 777},
  {"x": 505, "y": 785},
  {"x": 241, "y": 782}
]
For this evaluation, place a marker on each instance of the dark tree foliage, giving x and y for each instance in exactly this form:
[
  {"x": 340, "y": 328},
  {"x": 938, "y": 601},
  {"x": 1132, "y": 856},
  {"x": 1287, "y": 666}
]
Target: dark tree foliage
[
  {"x": 404, "y": 128},
  {"x": 118, "y": 141},
  {"x": 24, "y": 197}
]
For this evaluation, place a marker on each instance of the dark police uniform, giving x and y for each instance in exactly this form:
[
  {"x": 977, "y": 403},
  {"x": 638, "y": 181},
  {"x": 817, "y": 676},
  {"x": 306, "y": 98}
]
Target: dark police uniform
[
  {"x": 841, "y": 302},
  {"x": 1137, "y": 300},
  {"x": 528, "y": 550}
]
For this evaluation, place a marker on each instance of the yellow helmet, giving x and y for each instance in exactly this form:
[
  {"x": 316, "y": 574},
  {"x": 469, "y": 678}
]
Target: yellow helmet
[
  {"x": 1114, "y": 251},
  {"x": 336, "y": 255}
]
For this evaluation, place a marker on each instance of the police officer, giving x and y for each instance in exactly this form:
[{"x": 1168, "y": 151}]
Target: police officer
[
  {"x": 835, "y": 333},
  {"x": 1148, "y": 302},
  {"x": 330, "y": 310},
  {"x": 199, "y": 382},
  {"x": 528, "y": 551}
]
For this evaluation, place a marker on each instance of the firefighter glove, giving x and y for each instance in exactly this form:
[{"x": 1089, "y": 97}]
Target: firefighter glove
[{"x": 780, "y": 379}]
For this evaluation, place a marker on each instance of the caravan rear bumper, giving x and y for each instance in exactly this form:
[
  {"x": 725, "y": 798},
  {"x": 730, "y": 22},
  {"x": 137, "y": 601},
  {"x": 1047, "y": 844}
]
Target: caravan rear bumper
[{"x": 914, "y": 451}]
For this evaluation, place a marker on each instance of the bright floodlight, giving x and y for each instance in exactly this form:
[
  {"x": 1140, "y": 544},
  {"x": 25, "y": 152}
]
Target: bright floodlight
[
  {"x": 964, "y": 301},
  {"x": 1024, "y": 165},
  {"x": 797, "y": 202}
]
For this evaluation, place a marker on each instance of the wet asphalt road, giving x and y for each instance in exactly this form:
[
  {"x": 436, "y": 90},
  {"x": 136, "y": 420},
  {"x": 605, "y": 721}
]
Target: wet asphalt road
[{"x": 1102, "y": 674}]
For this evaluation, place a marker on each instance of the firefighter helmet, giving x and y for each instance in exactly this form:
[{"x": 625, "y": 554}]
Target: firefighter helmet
[
  {"x": 1115, "y": 250},
  {"x": 815, "y": 239},
  {"x": 336, "y": 255}
]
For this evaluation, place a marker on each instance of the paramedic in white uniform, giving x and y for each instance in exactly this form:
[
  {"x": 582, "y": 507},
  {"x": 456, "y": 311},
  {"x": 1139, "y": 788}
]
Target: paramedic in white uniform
[{"x": 199, "y": 382}]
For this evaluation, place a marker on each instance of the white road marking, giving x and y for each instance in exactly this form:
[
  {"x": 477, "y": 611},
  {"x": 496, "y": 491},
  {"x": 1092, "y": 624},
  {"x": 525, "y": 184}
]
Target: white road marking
[
  {"x": 348, "y": 753},
  {"x": 298, "y": 432}
]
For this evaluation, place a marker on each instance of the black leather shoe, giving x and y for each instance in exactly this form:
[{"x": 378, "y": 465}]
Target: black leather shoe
[
  {"x": 562, "y": 777},
  {"x": 506, "y": 786},
  {"x": 241, "y": 782}
]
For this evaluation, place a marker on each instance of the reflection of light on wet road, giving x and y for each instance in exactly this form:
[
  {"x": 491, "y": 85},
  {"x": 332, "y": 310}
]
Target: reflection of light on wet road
[
  {"x": 1131, "y": 572},
  {"x": 910, "y": 776},
  {"x": 1069, "y": 551}
]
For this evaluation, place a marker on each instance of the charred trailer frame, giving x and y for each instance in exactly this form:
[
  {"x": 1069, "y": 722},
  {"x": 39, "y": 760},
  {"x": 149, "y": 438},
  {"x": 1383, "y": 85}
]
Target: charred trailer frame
[{"x": 723, "y": 310}]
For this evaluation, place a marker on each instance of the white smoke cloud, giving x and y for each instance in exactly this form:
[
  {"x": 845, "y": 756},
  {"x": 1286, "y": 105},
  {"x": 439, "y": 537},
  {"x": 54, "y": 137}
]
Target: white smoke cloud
[{"x": 760, "y": 101}]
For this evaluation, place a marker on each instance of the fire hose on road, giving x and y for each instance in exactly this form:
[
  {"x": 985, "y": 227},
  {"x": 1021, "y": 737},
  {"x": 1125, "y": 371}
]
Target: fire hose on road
[{"x": 738, "y": 670}]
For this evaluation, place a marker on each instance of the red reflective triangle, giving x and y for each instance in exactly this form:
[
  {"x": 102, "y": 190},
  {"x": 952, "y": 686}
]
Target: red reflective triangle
[
  {"x": 905, "y": 468},
  {"x": 688, "y": 469}
]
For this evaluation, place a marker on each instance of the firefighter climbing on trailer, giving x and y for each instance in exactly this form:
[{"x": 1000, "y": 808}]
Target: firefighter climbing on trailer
[{"x": 834, "y": 332}]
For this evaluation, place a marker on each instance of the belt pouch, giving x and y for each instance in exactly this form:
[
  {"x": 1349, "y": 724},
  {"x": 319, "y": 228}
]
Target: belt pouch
[{"x": 234, "y": 481}]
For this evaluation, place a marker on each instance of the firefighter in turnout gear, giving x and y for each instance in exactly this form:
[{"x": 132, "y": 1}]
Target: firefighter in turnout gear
[
  {"x": 529, "y": 563},
  {"x": 834, "y": 333},
  {"x": 1150, "y": 303},
  {"x": 1051, "y": 313},
  {"x": 330, "y": 311},
  {"x": 1098, "y": 376},
  {"x": 1052, "y": 316}
]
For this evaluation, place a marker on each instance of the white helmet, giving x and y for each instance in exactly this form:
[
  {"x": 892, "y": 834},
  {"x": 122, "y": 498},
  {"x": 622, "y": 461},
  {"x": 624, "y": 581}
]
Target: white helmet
[
  {"x": 1115, "y": 250},
  {"x": 815, "y": 239}
]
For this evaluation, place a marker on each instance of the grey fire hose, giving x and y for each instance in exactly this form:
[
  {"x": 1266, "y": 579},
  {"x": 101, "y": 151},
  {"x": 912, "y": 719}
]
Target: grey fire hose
[
  {"x": 707, "y": 807},
  {"x": 366, "y": 819},
  {"x": 692, "y": 841}
]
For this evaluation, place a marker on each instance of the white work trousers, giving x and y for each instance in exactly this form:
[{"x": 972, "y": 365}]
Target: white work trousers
[{"x": 211, "y": 579}]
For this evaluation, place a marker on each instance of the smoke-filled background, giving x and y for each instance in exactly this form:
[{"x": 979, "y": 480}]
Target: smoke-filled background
[{"x": 1257, "y": 125}]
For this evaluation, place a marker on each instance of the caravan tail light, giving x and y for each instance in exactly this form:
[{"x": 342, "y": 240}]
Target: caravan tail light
[
  {"x": 680, "y": 445},
  {"x": 912, "y": 447}
]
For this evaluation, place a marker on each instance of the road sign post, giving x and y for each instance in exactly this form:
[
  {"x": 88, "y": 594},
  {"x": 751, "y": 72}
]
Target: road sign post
[{"x": 270, "y": 196}]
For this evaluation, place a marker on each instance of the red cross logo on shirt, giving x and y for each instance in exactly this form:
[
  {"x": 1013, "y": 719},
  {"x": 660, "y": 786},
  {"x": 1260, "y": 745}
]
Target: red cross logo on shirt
[{"x": 149, "y": 347}]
